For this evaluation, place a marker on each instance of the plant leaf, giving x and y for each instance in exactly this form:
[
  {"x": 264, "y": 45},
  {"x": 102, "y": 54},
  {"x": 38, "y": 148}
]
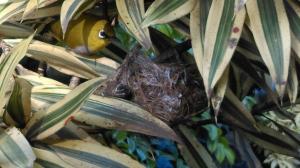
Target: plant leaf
[
  {"x": 292, "y": 85},
  {"x": 18, "y": 110},
  {"x": 15, "y": 151},
  {"x": 45, "y": 123},
  {"x": 61, "y": 58},
  {"x": 293, "y": 12},
  {"x": 11, "y": 10},
  {"x": 164, "y": 11},
  {"x": 222, "y": 34},
  {"x": 8, "y": 64},
  {"x": 270, "y": 28},
  {"x": 200, "y": 154},
  {"x": 132, "y": 13},
  {"x": 198, "y": 21},
  {"x": 68, "y": 10},
  {"x": 110, "y": 113},
  {"x": 74, "y": 153}
]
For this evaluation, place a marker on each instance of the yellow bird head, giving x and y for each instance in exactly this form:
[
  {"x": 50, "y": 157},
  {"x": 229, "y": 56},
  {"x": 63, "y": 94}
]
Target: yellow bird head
[{"x": 85, "y": 35}]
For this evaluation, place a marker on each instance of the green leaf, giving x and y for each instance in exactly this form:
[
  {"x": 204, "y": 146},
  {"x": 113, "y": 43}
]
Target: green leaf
[
  {"x": 230, "y": 155},
  {"x": 220, "y": 153},
  {"x": 193, "y": 148}
]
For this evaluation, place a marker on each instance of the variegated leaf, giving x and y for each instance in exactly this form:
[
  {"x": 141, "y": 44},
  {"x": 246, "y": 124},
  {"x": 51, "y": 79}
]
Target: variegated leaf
[
  {"x": 219, "y": 92},
  {"x": 11, "y": 10},
  {"x": 74, "y": 153},
  {"x": 18, "y": 110},
  {"x": 15, "y": 151},
  {"x": 270, "y": 28},
  {"x": 68, "y": 10},
  {"x": 8, "y": 64},
  {"x": 15, "y": 30},
  {"x": 60, "y": 58},
  {"x": 164, "y": 11},
  {"x": 222, "y": 34},
  {"x": 198, "y": 20},
  {"x": 110, "y": 113},
  {"x": 132, "y": 13},
  {"x": 293, "y": 84},
  {"x": 46, "y": 123},
  {"x": 293, "y": 12}
]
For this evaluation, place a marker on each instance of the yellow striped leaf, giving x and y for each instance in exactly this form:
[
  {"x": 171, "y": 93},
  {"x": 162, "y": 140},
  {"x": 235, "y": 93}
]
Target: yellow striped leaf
[
  {"x": 75, "y": 153},
  {"x": 46, "y": 123},
  {"x": 198, "y": 20},
  {"x": 223, "y": 30},
  {"x": 15, "y": 151},
  {"x": 292, "y": 85},
  {"x": 110, "y": 113},
  {"x": 68, "y": 10},
  {"x": 15, "y": 30},
  {"x": 18, "y": 110},
  {"x": 8, "y": 64},
  {"x": 293, "y": 12},
  {"x": 132, "y": 13},
  {"x": 60, "y": 58},
  {"x": 11, "y": 10},
  {"x": 164, "y": 11},
  {"x": 270, "y": 28}
]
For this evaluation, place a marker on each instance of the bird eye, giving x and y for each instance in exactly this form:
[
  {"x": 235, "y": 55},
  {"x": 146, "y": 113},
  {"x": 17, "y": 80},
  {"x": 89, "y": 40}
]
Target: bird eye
[{"x": 102, "y": 34}]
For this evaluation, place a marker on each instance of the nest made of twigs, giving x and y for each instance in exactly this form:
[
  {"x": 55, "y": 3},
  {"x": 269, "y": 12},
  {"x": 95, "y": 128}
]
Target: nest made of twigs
[{"x": 168, "y": 91}]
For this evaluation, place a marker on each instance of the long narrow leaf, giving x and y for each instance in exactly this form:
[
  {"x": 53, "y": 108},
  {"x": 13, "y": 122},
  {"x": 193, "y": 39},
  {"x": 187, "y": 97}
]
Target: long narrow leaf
[
  {"x": 270, "y": 28},
  {"x": 132, "y": 13},
  {"x": 164, "y": 11},
  {"x": 18, "y": 110},
  {"x": 8, "y": 64},
  {"x": 11, "y": 10},
  {"x": 15, "y": 151},
  {"x": 74, "y": 153},
  {"x": 67, "y": 11},
  {"x": 110, "y": 113},
  {"x": 45, "y": 123},
  {"x": 222, "y": 34}
]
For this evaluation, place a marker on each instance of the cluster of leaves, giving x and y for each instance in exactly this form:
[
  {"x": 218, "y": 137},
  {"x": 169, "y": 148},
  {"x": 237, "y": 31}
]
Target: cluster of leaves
[{"x": 46, "y": 123}]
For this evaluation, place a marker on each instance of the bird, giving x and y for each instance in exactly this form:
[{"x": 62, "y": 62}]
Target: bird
[{"x": 85, "y": 35}]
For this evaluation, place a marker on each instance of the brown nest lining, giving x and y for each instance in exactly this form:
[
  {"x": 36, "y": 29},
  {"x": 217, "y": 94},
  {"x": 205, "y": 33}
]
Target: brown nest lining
[{"x": 165, "y": 90}]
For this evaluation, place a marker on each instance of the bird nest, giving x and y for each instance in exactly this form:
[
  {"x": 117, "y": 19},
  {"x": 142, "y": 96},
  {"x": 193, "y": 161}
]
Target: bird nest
[{"x": 168, "y": 91}]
